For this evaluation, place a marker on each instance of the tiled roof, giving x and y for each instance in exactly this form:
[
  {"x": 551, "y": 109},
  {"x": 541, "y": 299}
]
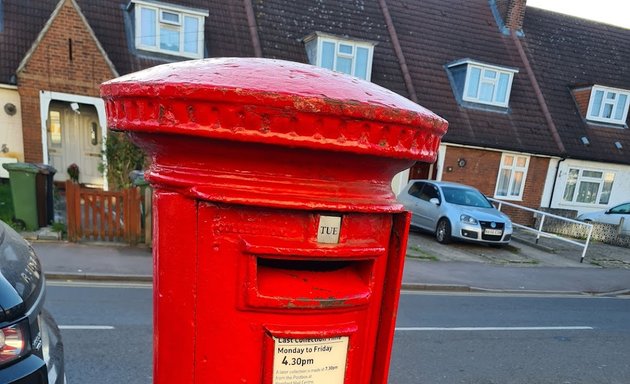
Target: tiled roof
[
  {"x": 282, "y": 25},
  {"x": 22, "y": 23},
  {"x": 568, "y": 51},
  {"x": 226, "y": 31},
  {"x": 434, "y": 33}
]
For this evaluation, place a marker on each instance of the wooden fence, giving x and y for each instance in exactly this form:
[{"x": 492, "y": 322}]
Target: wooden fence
[{"x": 96, "y": 215}]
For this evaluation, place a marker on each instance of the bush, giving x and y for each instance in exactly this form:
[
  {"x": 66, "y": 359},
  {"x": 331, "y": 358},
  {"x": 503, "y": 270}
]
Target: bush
[{"x": 122, "y": 158}]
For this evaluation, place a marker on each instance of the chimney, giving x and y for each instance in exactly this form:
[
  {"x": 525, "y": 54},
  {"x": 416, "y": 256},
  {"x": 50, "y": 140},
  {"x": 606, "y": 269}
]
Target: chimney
[{"x": 514, "y": 14}]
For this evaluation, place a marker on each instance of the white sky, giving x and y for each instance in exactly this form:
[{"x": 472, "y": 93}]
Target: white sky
[{"x": 616, "y": 12}]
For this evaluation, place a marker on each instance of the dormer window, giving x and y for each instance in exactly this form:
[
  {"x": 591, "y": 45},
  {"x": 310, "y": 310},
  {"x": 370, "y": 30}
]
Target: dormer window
[
  {"x": 608, "y": 105},
  {"x": 480, "y": 83},
  {"x": 169, "y": 29},
  {"x": 352, "y": 57}
]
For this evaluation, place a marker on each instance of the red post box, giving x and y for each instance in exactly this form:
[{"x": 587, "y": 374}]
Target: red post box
[{"x": 279, "y": 244}]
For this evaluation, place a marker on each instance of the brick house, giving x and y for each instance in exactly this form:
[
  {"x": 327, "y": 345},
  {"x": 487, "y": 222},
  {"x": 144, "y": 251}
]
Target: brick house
[
  {"x": 56, "y": 53},
  {"x": 582, "y": 68},
  {"x": 484, "y": 65}
]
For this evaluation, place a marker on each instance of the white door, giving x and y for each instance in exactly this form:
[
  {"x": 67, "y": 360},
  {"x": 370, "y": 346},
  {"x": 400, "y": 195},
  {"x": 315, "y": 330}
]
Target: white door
[{"x": 75, "y": 137}]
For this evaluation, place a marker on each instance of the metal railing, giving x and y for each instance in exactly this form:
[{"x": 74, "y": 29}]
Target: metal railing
[{"x": 539, "y": 230}]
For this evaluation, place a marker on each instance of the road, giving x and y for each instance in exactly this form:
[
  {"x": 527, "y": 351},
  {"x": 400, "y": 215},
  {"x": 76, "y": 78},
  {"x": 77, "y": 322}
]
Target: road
[
  {"x": 511, "y": 339},
  {"x": 107, "y": 331},
  {"x": 441, "y": 338}
]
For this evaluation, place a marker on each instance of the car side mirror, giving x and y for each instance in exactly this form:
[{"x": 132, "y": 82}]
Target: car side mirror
[
  {"x": 435, "y": 201},
  {"x": 607, "y": 212}
]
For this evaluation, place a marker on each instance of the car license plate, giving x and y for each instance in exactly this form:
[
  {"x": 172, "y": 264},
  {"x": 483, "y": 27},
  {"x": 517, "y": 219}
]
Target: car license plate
[{"x": 493, "y": 232}]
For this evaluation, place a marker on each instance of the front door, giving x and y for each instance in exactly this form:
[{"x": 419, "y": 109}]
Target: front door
[
  {"x": 74, "y": 136},
  {"x": 422, "y": 170}
]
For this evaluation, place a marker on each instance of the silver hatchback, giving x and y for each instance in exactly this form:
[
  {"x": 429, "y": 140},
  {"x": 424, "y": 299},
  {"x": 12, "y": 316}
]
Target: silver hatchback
[{"x": 452, "y": 210}]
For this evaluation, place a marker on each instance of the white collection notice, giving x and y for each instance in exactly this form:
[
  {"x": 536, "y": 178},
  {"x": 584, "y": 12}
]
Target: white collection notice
[{"x": 310, "y": 361}]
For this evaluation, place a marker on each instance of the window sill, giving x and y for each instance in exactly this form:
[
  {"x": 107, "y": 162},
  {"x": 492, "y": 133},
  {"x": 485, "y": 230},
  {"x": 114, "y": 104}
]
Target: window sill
[
  {"x": 169, "y": 53},
  {"x": 601, "y": 124}
]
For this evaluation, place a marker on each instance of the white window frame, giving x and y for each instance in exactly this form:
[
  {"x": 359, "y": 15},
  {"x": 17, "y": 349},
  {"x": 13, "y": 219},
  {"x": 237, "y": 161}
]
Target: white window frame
[
  {"x": 483, "y": 68},
  {"x": 337, "y": 42},
  {"x": 593, "y": 115},
  {"x": 159, "y": 8},
  {"x": 513, "y": 169},
  {"x": 581, "y": 178}
]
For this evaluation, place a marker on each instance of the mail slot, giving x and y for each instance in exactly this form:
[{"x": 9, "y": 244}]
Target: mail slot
[{"x": 278, "y": 243}]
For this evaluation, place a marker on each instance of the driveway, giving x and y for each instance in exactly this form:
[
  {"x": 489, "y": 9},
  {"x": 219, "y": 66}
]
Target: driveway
[{"x": 548, "y": 252}]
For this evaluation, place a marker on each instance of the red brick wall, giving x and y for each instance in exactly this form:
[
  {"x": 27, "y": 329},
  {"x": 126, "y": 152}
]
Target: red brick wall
[
  {"x": 582, "y": 97},
  {"x": 481, "y": 171},
  {"x": 481, "y": 168},
  {"x": 515, "y": 14},
  {"x": 51, "y": 68}
]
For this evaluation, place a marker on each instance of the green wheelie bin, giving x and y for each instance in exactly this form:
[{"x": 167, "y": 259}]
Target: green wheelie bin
[{"x": 23, "y": 180}]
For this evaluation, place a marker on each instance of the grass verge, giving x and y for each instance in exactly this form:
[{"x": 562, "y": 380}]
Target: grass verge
[{"x": 418, "y": 253}]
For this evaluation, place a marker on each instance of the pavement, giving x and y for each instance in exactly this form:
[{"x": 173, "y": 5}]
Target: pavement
[{"x": 521, "y": 267}]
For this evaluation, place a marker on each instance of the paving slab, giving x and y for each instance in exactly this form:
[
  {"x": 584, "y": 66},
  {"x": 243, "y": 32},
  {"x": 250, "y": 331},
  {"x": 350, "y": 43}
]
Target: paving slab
[
  {"x": 429, "y": 266},
  {"x": 100, "y": 261},
  {"x": 471, "y": 276}
]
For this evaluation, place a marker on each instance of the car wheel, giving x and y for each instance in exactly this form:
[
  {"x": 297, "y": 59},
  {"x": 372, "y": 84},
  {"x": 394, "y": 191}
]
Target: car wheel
[{"x": 443, "y": 231}]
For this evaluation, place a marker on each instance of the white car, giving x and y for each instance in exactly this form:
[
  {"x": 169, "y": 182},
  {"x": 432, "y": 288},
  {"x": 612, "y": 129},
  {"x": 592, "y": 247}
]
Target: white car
[
  {"x": 611, "y": 216},
  {"x": 455, "y": 211}
]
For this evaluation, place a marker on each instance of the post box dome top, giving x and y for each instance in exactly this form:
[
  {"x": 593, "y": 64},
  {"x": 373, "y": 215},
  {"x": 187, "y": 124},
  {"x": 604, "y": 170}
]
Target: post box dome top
[{"x": 275, "y": 102}]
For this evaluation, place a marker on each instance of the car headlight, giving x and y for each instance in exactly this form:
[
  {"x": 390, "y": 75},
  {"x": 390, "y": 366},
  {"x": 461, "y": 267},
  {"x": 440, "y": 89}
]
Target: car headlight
[
  {"x": 14, "y": 342},
  {"x": 468, "y": 219}
]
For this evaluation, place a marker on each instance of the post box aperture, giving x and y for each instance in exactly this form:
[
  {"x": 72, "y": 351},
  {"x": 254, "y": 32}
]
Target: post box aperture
[{"x": 278, "y": 243}]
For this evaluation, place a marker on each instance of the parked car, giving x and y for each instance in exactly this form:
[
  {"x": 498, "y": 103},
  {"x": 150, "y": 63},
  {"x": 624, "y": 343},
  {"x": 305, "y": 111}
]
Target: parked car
[
  {"x": 451, "y": 210},
  {"x": 31, "y": 351},
  {"x": 610, "y": 216}
]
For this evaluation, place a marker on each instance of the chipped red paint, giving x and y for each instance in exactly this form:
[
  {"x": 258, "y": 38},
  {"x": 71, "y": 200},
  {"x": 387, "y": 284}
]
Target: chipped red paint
[{"x": 247, "y": 156}]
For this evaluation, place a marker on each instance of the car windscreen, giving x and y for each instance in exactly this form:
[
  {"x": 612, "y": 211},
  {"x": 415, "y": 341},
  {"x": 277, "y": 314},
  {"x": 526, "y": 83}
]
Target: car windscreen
[{"x": 464, "y": 196}]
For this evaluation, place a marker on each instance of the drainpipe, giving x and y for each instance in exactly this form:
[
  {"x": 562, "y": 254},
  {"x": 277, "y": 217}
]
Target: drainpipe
[
  {"x": 398, "y": 50},
  {"x": 253, "y": 28}
]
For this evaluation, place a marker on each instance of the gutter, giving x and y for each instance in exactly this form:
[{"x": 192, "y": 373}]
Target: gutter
[{"x": 501, "y": 150}]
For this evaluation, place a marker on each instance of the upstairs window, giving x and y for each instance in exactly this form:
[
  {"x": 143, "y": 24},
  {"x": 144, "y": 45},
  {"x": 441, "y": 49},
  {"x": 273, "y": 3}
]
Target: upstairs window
[
  {"x": 351, "y": 57},
  {"x": 587, "y": 186},
  {"x": 608, "y": 105},
  {"x": 169, "y": 29},
  {"x": 512, "y": 175},
  {"x": 480, "y": 83}
]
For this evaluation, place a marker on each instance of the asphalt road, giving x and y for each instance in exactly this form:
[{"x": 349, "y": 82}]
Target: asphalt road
[
  {"x": 107, "y": 332},
  {"x": 511, "y": 339},
  {"x": 440, "y": 338}
]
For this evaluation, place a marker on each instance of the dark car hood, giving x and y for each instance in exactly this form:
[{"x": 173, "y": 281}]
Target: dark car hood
[{"x": 21, "y": 277}]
